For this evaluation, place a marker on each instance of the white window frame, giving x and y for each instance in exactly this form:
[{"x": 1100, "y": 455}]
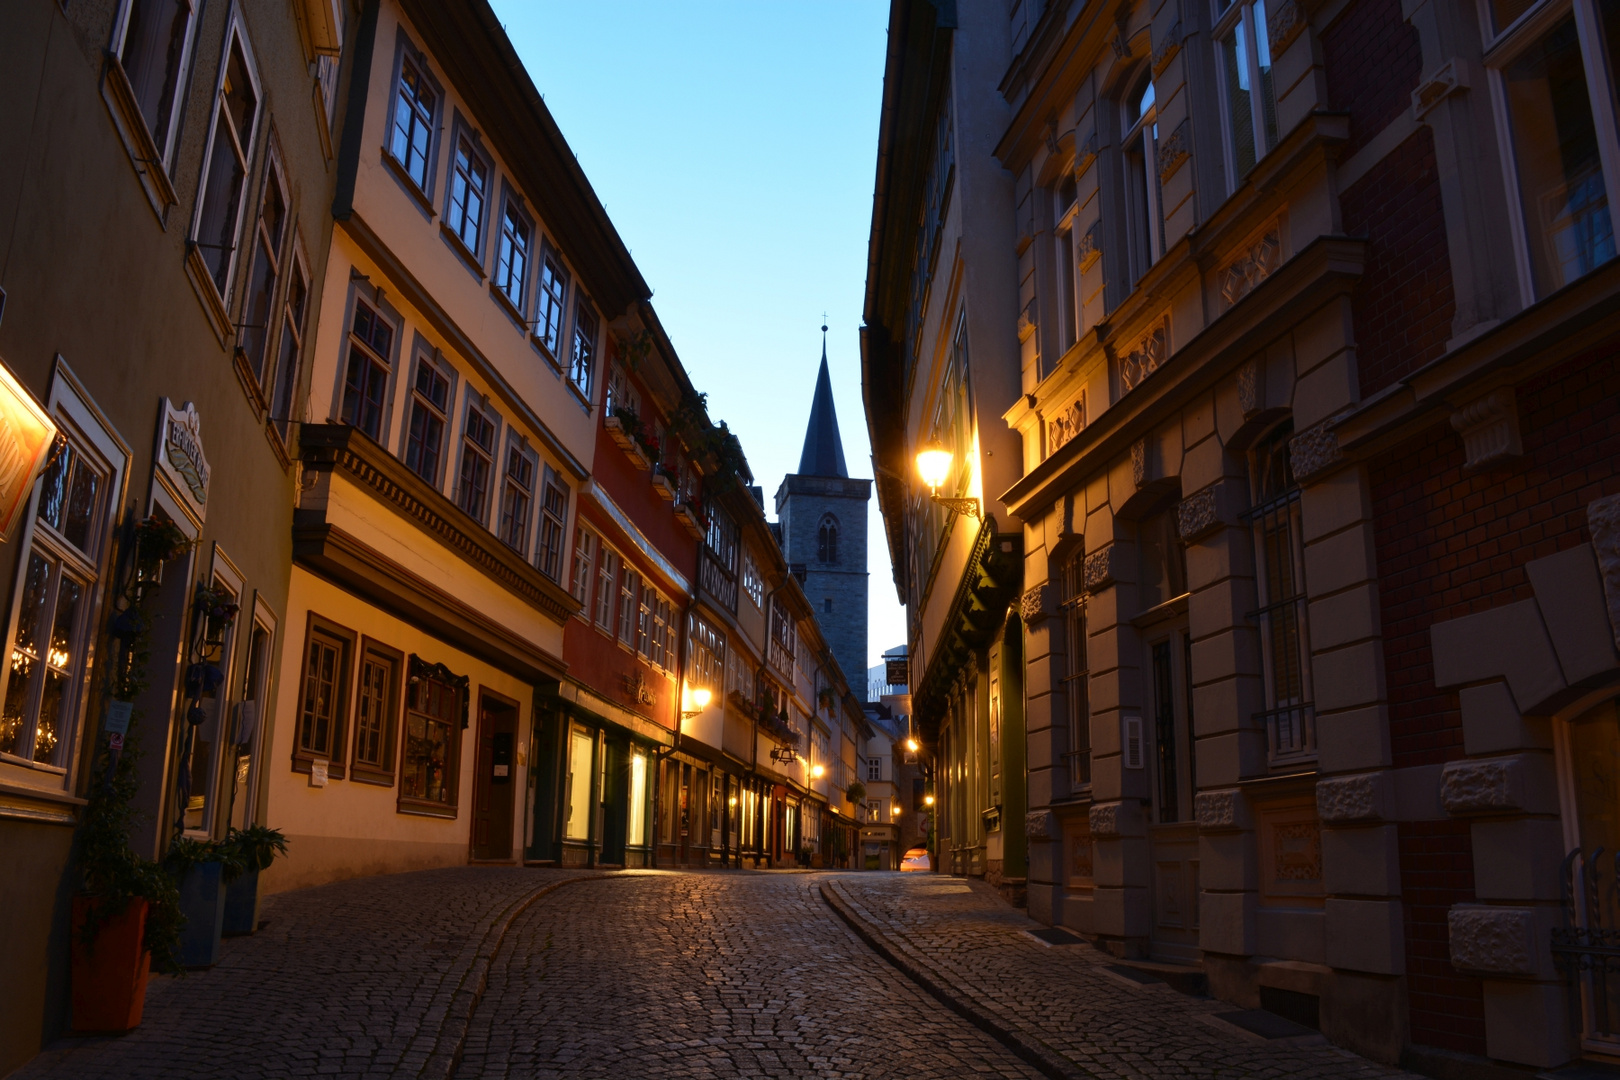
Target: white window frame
[
  {"x": 1242, "y": 15},
  {"x": 485, "y": 407},
  {"x": 236, "y": 32},
  {"x": 284, "y": 409},
  {"x": 274, "y": 173},
  {"x": 1502, "y": 49},
  {"x": 517, "y": 445},
  {"x": 177, "y": 105},
  {"x": 407, "y": 52},
  {"x": 1066, "y": 260},
  {"x": 1140, "y": 137}
]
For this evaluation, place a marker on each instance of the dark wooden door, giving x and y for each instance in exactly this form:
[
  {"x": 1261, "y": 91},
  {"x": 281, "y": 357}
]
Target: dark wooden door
[{"x": 495, "y": 780}]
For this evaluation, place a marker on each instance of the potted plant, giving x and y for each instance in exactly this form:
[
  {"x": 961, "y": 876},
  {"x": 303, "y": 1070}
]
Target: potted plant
[
  {"x": 200, "y": 869},
  {"x": 856, "y": 792},
  {"x": 253, "y": 850},
  {"x": 126, "y": 914}
]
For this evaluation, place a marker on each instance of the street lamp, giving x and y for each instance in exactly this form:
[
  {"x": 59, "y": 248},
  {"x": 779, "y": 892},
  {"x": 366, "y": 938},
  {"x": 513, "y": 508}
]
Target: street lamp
[
  {"x": 934, "y": 466},
  {"x": 928, "y": 800},
  {"x": 913, "y": 745},
  {"x": 817, "y": 771},
  {"x": 697, "y": 699}
]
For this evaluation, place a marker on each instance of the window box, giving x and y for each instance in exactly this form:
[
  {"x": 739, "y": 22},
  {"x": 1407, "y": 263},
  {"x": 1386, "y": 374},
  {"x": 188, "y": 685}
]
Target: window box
[
  {"x": 690, "y": 519},
  {"x": 620, "y": 431},
  {"x": 663, "y": 485}
]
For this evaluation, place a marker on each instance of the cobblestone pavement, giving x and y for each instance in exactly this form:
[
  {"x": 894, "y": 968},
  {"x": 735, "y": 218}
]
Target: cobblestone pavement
[
  {"x": 709, "y": 975},
  {"x": 1064, "y": 1001},
  {"x": 358, "y": 978}
]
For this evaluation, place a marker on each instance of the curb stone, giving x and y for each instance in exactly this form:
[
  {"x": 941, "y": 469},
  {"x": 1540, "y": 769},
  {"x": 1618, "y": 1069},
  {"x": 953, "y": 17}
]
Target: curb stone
[
  {"x": 442, "y": 1060},
  {"x": 1033, "y": 1052}
]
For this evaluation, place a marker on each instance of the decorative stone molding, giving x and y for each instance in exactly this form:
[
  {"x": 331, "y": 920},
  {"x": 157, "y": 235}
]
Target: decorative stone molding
[
  {"x": 1026, "y": 321},
  {"x": 1198, "y": 514},
  {"x": 1105, "y": 819},
  {"x": 1121, "y": 45},
  {"x": 1068, "y": 423},
  {"x": 1102, "y": 568},
  {"x": 1085, "y": 152},
  {"x": 1251, "y": 388},
  {"x": 1341, "y": 800},
  {"x": 1492, "y": 940},
  {"x": 1482, "y": 785},
  {"x": 1145, "y": 356},
  {"x": 1174, "y": 151},
  {"x": 1603, "y": 518},
  {"x": 1218, "y": 809},
  {"x": 1166, "y": 49},
  {"x": 1038, "y": 825},
  {"x": 1283, "y": 23},
  {"x": 1489, "y": 427},
  {"x": 1244, "y": 273},
  {"x": 1090, "y": 246},
  {"x": 1315, "y": 450},
  {"x": 1039, "y": 603},
  {"x": 1141, "y": 471},
  {"x": 1451, "y": 77},
  {"x": 1295, "y": 851}
]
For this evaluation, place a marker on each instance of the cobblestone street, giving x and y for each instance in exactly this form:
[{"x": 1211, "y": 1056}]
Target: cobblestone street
[{"x": 524, "y": 973}]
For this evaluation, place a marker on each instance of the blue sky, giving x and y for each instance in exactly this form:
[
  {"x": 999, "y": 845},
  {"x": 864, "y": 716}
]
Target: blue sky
[{"x": 734, "y": 145}]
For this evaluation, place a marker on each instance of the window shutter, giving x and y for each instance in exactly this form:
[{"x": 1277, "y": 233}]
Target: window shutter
[{"x": 1133, "y": 742}]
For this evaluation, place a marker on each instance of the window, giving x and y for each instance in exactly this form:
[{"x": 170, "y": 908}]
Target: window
[
  {"x": 430, "y": 402},
  {"x": 753, "y": 584},
  {"x": 548, "y": 325},
  {"x": 1280, "y": 559},
  {"x": 784, "y": 638},
  {"x": 635, "y": 832},
  {"x": 577, "y": 823},
  {"x": 1077, "y": 670},
  {"x": 411, "y": 142},
  {"x": 469, "y": 190},
  {"x": 740, "y": 675},
  {"x": 553, "y": 525},
  {"x": 580, "y": 579},
  {"x": 827, "y": 540},
  {"x": 649, "y": 632},
  {"x": 376, "y": 713},
  {"x": 203, "y": 750},
  {"x": 607, "y": 579},
  {"x": 512, "y": 255},
  {"x": 258, "y": 313},
  {"x": 323, "y": 696},
  {"x": 225, "y": 165},
  {"x": 706, "y": 666},
  {"x": 477, "y": 458},
  {"x": 629, "y": 607},
  {"x": 1248, "y": 99},
  {"x": 1556, "y": 95},
  {"x": 283, "y": 403},
  {"x": 1163, "y": 558},
  {"x": 432, "y": 742},
  {"x": 365, "y": 380},
  {"x": 582, "y": 363},
  {"x": 1144, "y": 215},
  {"x": 718, "y": 568},
  {"x": 517, "y": 496},
  {"x": 622, "y": 396},
  {"x": 153, "y": 41},
  {"x": 826, "y": 605},
  {"x": 53, "y": 601},
  {"x": 874, "y": 768},
  {"x": 1067, "y": 211}
]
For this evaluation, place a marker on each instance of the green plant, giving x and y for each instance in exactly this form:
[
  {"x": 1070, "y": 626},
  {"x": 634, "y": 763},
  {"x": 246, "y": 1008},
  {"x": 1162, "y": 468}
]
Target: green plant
[
  {"x": 186, "y": 852},
  {"x": 255, "y": 847},
  {"x": 856, "y": 792}
]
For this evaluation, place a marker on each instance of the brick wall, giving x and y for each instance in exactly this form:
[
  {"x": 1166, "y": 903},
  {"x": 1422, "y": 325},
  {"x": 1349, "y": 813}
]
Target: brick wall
[
  {"x": 1373, "y": 62},
  {"x": 1403, "y": 306},
  {"x": 1449, "y": 544}
]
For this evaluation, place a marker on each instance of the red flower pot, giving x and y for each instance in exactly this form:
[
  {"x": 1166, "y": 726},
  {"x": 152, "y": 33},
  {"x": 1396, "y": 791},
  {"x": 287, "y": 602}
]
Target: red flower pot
[{"x": 110, "y": 972}]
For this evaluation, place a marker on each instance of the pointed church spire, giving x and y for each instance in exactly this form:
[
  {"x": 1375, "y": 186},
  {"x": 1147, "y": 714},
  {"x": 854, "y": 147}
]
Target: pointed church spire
[{"x": 823, "y": 449}]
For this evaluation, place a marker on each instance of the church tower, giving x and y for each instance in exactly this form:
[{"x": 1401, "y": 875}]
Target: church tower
[{"x": 822, "y": 516}]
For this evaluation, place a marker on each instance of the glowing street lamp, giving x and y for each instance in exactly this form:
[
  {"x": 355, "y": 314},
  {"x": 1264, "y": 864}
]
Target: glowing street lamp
[
  {"x": 697, "y": 699},
  {"x": 817, "y": 771},
  {"x": 934, "y": 466},
  {"x": 928, "y": 800},
  {"x": 913, "y": 745}
]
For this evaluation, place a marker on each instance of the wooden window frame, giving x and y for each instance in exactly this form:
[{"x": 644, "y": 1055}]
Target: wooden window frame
[
  {"x": 303, "y": 759},
  {"x": 244, "y": 145},
  {"x": 372, "y": 357},
  {"x": 472, "y": 451},
  {"x": 382, "y": 773},
  {"x": 411, "y": 804}
]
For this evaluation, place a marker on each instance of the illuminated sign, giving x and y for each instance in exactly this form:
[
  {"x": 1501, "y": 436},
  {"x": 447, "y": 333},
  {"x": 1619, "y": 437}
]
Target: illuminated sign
[{"x": 26, "y": 435}]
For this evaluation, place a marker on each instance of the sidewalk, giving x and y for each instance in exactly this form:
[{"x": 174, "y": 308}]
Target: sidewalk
[{"x": 1071, "y": 1010}]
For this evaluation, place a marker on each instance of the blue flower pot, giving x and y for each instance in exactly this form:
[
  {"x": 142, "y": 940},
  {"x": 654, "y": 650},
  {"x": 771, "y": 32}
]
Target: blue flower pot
[
  {"x": 202, "y": 902},
  {"x": 242, "y": 905}
]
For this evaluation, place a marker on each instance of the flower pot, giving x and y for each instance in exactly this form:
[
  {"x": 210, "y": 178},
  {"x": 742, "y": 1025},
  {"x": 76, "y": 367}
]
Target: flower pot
[
  {"x": 202, "y": 902},
  {"x": 110, "y": 971},
  {"x": 242, "y": 905}
]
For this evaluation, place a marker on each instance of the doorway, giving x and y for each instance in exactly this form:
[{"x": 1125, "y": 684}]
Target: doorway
[
  {"x": 1173, "y": 832},
  {"x": 492, "y": 780}
]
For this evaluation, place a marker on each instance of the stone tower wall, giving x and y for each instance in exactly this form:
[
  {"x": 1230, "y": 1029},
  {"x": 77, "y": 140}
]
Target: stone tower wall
[{"x": 801, "y": 503}]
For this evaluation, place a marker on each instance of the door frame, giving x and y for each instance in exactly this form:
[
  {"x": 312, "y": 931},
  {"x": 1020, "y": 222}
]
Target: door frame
[
  {"x": 482, "y": 786},
  {"x": 1178, "y": 838}
]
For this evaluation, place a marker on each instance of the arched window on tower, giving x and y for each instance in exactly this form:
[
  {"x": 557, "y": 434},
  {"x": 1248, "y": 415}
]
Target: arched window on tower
[{"x": 827, "y": 540}]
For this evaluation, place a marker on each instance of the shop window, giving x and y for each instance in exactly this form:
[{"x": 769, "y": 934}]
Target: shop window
[
  {"x": 225, "y": 161},
  {"x": 1144, "y": 210},
  {"x": 549, "y": 301},
  {"x": 553, "y": 525},
  {"x": 53, "y": 601},
  {"x": 1280, "y": 577},
  {"x": 323, "y": 698},
  {"x": 435, "y": 713},
  {"x": 1553, "y": 73},
  {"x": 635, "y": 832},
  {"x": 365, "y": 379},
  {"x": 1077, "y": 670},
  {"x": 247, "y": 726},
  {"x": 1248, "y": 98},
  {"x": 582, "y": 362},
  {"x": 430, "y": 405},
  {"x": 577, "y": 825},
  {"x": 469, "y": 192},
  {"x": 204, "y": 744},
  {"x": 517, "y": 495},
  {"x": 258, "y": 313},
  {"x": 478, "y": 432},
  {"x": 152, "y": 42},
  {"x": 376, "y": 712},
  {"x": 416, "y": 101}
]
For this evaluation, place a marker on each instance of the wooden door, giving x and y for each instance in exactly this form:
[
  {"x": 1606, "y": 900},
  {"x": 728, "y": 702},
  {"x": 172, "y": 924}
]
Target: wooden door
[
  {"x": 493, "y": 782},
  {"x": 1173, "y": 834}
]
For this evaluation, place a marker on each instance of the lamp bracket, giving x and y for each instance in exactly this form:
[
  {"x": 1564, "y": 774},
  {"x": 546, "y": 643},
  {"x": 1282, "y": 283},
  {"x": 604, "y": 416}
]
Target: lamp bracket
[{"x": 960, "y": 506}]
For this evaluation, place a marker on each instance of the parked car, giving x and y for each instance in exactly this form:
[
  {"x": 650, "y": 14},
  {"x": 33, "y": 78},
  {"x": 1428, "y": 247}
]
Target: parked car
[{"x": 916, "y": 859}]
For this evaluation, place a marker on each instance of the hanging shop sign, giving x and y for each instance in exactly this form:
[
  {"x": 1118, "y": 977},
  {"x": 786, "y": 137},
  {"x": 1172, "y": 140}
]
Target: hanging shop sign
[
  {"x": 26, "y": 435},
  {"x": 180, "y": 459}
]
